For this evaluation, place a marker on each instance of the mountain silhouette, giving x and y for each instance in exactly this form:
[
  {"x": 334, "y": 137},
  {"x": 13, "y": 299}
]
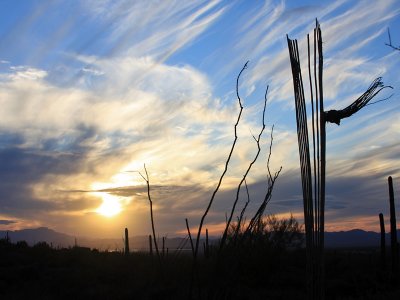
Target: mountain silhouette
[
  {"x": 339, "y": 239},
  {"x": 354, "y": 238}
]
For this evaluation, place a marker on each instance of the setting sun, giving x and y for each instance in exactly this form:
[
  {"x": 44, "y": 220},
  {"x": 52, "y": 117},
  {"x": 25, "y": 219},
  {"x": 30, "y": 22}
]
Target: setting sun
[{"x": 111, "y": 205}]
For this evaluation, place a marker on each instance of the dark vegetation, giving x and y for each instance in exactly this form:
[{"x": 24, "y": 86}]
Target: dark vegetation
[{"x": 270, "y": 265}]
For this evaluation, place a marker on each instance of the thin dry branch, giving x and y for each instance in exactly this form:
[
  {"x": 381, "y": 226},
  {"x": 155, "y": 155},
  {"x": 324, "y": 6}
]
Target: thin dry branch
[
  {"x": 240, "y": 219},
  {"x": 151, "y": 210},
  {"x": 390, "y": 42},
  {"x": 226, "y": 163},
  {"x": 190, "y": 236},
  {"x": 180, "y": 247},
  {"x": 271, "y": 182},
  {"x": 257, "y": 140}
]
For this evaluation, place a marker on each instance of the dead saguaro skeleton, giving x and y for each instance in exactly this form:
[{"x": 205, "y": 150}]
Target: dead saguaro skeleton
[{"x": 313, "y": 174}]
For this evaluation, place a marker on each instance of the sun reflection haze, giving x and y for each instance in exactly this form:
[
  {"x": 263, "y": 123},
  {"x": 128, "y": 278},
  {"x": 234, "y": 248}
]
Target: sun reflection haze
[{"x": 111, "y": 205}]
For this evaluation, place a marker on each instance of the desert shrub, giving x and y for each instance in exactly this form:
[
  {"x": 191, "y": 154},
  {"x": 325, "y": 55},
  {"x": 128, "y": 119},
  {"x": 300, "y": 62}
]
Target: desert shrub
[
  {"x": 262, "y": 256},
  {"x": 284, "y": 233},
  {"x": 42, "y": 246},
  {"x": 22, "y": 245},
  {"x": 271, "y": 232}
]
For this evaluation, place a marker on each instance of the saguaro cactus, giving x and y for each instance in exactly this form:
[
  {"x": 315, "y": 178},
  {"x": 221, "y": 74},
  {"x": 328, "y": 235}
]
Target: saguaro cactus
[
  {"x": 383, "y": 241},
  {"x": 313, "y": 170},
  {"x": 126, "y": 241},
  {"x": 150, "y": 245},
  {"x": 393, "y": 230}
]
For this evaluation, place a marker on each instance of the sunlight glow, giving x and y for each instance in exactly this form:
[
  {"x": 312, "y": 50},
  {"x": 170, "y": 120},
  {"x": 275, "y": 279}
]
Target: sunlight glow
[
  {"x": 117, "y": 180},
  {"x": 111, "y": 205}
]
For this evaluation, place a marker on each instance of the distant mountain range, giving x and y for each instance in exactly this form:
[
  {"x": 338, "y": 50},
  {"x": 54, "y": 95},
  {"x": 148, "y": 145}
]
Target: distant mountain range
[
  {"x": 355, "y": 238},
  {"x": 57, "y": 239},
  {"x": 340, "y": 239}
]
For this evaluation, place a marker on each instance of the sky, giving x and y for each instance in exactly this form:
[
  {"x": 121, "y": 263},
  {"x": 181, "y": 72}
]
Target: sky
[{"x": 92, "y": 90}]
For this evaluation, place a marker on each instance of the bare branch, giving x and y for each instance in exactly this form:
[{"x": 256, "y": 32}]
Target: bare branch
[
  {"x": 190, "y": 236},
  {"x": 390, "y": 42},
  {"x": 240, "y": 219},
  {"x": 270, "y": 183},
  {"x": 151, "y": 211},
  {"x": 226, "y": 164},
  {"x": 270, "y": 150},
  {"x": 224, "y": 236}
]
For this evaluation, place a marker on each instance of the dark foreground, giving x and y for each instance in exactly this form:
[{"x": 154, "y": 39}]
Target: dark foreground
[{"x": 41, "y": 272}]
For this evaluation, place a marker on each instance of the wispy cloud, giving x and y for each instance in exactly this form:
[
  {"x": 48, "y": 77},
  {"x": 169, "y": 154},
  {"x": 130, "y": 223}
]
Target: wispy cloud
[{"x": 7, "y": 222}]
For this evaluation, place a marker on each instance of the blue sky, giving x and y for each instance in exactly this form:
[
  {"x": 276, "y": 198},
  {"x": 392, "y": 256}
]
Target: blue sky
[{"x": 91, "y": 90}]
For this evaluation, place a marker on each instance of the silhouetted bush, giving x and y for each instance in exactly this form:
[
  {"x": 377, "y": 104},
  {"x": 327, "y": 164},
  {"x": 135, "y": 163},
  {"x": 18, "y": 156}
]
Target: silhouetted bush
[
  {"x": 22, "y": 245},
  {"x": 42, "y": 245},
  {"x": 271, "y": 232}
]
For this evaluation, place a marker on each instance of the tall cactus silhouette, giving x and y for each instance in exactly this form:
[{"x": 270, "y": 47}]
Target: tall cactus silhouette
[
  {"x": 313, "y": 175},
  {"x": 393, "y": 230},
  {"x": 126, "y": 241},
  {"x": 150, "y": 245}
]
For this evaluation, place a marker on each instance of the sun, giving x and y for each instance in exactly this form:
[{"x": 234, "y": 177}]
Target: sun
[{"x": 111, "y": 205}]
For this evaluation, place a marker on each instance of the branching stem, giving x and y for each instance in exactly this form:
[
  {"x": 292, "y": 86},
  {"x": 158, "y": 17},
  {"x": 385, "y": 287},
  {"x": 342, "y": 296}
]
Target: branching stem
[{"x": 226, "y": 163}]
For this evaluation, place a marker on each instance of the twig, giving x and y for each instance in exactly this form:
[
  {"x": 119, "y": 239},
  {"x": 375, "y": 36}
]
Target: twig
[
  {"x": 151, "y": 211},
  {"x": 390, "y": 42},
  {"x": 257, "y": 140},
  {"x": 270, "y": 182},
  {"x": 240, "y": 219},
  {"x": 190, "y": 236},
  {"x": 226, "y": 163},
  {"x": 180, "y": 246}
]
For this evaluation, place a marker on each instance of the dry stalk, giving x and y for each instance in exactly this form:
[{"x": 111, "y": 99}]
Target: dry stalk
[
  {"x": 240, "y": 219},
  {"x": 390, "y": 42},
  {"x": 190, "y": 236},
  {"x": 257, "y": 140},
  {"x": 257, "y": 218},
  {"x": 226, "y": 163},
  {"x": 151, "y": 211}
]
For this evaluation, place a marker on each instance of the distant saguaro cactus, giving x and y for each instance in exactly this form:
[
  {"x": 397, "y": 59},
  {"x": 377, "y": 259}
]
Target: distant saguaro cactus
[
  {"x": 150, "y": 245},
  {"x": 393, "y": 230},
  {"x": 383, "y": 241},
  {"x": 126, "y": 241}
]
